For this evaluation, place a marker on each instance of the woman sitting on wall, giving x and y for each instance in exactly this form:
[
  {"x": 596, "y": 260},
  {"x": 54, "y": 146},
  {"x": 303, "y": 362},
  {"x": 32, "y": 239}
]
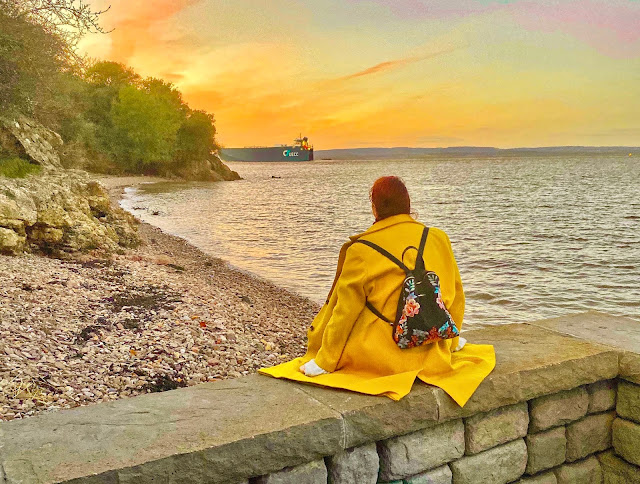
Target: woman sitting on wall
[{"x": 361, "y": 341}]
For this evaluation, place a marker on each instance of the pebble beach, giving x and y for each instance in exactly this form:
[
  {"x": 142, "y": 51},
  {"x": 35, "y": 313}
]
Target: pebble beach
[{"x": 97, "y": 327}]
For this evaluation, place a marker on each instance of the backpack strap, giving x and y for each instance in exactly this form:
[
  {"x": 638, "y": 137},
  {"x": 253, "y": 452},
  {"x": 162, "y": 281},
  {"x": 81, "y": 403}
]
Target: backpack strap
[
  {"x": 385, "y": 253},
  {"x": 393, "y": 259},
  {"x": 377, "y": 313},
  {"x": 399, "y": 263},
  {"x": 419, "y": 257}
]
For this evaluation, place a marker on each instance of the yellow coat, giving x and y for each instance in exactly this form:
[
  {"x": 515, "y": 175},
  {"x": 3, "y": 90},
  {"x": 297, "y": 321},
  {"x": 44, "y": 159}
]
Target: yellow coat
[{"x": 349, "y": 341}]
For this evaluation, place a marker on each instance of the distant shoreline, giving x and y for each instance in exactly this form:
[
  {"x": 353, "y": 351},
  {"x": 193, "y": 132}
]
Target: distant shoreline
[{"x": 410, "y": 152}]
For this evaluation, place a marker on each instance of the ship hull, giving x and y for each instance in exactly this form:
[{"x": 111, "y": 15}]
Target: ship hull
[{"x": 274, "y": 153}]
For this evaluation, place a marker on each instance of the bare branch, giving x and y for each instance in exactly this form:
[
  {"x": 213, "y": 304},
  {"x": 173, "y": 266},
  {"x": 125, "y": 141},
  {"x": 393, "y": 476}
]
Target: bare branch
[{"x": 68, "y": 19}]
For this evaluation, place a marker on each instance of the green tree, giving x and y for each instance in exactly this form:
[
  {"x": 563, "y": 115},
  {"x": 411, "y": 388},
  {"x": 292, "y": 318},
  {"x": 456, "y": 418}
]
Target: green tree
[
  {"x": 166, "y": 91},
  {"x": 31, "y": 61},
  {"x": 111, "y": 74},
  {"x": 144, "y": 130},
  {"x": 196, "y": 137}
]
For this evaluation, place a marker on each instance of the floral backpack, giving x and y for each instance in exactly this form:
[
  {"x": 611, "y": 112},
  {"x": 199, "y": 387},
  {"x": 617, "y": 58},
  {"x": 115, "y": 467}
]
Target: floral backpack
[{"x": 421, "y": 317}]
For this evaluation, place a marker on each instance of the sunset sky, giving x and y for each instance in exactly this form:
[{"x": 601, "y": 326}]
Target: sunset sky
[{"x": 355, "y": 73}]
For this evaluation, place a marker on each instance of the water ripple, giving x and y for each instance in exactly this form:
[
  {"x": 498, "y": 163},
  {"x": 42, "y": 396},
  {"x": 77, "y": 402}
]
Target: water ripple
[{"x": 534, "y": 237}]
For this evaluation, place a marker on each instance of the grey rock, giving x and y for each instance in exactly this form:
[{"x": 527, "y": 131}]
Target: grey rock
[
  {"x": 587, "y": 471},
  {"x": 546, "y": 450},
  {"x": 499, "y": 465},
  {"x": 441, "y": 475},
  {"x": 629, "y": 401},
  {"x": 417, "y": 452},
  {"x": 27, "y": 138},
  {"x": 63, "y": 211},
  {"x": 487, "y": 430},
  {"x": 617, "y": 470},
  {"x": 590, "y": 435},
  {"x": 630, "y": 366},
  {"x": 311, "y": 473},
  {"x": 11, "y": 242},
  {"x": 626, "y": 440},
  {"x": 358, "y": 464},
  {"x": 602, "y": 396},
  {"x": 206, "y": 169},
  {"x": 544, "y": 478},
  {"x": 558, "y": 409}
]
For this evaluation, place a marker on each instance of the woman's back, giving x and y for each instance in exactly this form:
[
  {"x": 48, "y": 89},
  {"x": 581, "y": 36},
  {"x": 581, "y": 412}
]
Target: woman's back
[
  {"x": 350, "y": 347},
  {"x": 395, "y": 234},
  {"x": 365, "y": 345}
]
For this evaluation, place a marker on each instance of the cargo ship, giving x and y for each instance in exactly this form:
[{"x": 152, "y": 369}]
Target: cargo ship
[{"x": 301, "y": 150}]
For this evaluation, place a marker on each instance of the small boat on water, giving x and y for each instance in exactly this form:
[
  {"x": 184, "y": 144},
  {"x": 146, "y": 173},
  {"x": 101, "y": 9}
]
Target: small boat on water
[{"x": 301, "y": 150}]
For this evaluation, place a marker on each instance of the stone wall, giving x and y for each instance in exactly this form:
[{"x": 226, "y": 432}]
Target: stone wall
[
  {"x": 562, "y": 438},
  {"x": 557, "y": 409}
]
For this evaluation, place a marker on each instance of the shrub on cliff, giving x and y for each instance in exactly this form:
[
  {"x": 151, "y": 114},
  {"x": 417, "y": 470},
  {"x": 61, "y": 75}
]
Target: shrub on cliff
[{"x": 17, "y": 168}]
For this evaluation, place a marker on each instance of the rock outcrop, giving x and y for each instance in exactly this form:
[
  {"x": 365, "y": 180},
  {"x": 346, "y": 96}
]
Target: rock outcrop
[
  {"x": 210, "y": 169},
  {"x": 61, "y": 211},
  {"x": 28, "y": 139}
]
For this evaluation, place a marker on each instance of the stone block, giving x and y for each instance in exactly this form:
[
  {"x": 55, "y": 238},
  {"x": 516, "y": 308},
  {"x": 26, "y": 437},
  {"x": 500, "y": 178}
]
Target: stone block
[
  {"x": 587, "y": 471},
  {"x": 545, "y": 450},
  {"x": 487, "y": 430},
  {"x": 629, "y": 401},
  {"x": 499, "y": 465},
  {"x": 417, "y": 452},
  {"x": 558, "y": 409},
  {"x": 358, "y": 464},
  {"x": 630, "y": 366},
  {"x": 544, "y": 478},
  {"x": 590, "y": 435},
  {"x": 441, "y": 475},
  {"x": 369, "y": 418},
  {"x": 626, "y": 440},
  {"x": 310, "y": 473},
  {"x": 602, "y": 396},
  {"x": 617, "y": 470},
  {"x": 603, "y": 329}
]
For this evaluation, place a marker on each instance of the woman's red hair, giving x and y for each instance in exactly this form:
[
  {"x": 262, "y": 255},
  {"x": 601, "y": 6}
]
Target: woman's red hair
[{"x": 390, "y": 197}]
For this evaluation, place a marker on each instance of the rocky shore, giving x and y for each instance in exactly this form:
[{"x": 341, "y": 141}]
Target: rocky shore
[{"x": 90, "y": 328}]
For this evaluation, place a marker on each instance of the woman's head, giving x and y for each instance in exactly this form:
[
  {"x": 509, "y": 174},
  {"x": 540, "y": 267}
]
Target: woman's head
[{"x": 389, "y": 197}]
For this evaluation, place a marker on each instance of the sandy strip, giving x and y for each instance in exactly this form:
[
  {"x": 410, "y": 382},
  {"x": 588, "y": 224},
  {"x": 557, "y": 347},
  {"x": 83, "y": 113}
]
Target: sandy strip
[{"x": 76, "y": 332}]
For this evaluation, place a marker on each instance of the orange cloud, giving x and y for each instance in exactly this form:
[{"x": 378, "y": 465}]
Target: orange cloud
[
  {"x": 134, "y": 27},
  {"x": 394, "y": 64}
]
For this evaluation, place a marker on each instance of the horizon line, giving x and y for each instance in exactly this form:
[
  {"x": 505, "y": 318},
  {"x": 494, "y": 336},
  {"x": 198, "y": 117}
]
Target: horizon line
[{"x": 479, "y": 147}]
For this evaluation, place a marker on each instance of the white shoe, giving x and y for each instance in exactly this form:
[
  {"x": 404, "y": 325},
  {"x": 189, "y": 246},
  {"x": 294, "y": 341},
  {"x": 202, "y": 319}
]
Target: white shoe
[
  {"x": 461, "y": 343},
  {"x": 311, "y": 368}
]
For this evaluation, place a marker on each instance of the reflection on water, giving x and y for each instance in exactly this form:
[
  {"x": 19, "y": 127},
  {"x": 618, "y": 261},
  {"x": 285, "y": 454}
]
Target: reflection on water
[{"x": 534, "y": 237}]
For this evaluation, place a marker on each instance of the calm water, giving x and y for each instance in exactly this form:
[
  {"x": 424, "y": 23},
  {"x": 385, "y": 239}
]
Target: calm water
[{"x": 534, "y": 237}]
